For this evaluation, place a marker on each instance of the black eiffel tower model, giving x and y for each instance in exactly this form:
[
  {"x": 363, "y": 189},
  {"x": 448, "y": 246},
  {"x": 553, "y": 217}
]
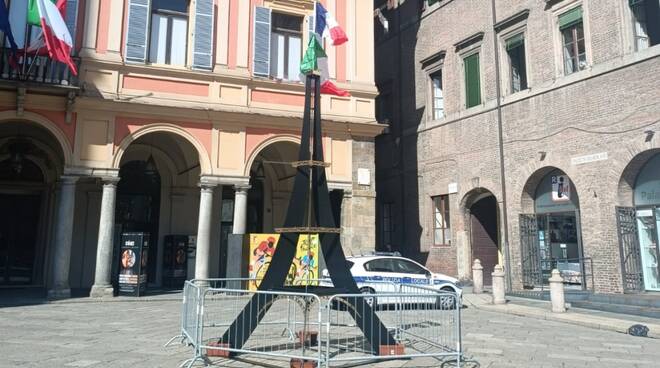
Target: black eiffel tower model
[{"x": 309, "y": 212}]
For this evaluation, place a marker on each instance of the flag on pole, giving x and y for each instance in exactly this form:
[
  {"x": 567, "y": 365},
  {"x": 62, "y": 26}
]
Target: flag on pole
[
  {"x": 55, "y": 33},
  {"x": 38, "y": 45},
  {"x": 315, "y": 59},
  {"x": 327, "y": 26},
  {"x": 33, "y": 17},
  {"x": 5, "y": 27}
]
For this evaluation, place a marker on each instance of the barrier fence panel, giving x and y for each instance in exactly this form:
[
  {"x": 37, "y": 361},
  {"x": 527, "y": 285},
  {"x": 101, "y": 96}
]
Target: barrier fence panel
[
  {"x": 424, "y": 322},
  {"x": 288, "y": 330}
]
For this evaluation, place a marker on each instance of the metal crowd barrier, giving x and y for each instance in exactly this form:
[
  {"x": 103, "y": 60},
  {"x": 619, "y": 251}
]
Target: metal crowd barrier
[{"x": 425, "y": 323}]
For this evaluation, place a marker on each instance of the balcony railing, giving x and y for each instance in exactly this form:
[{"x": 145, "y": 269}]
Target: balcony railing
[{"x": 37, "y": 70}]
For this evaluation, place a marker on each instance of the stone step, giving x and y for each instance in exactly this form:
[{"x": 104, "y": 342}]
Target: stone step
[
  {"x": 641, "y": 300},
  {"x": 635, "y": 310}
]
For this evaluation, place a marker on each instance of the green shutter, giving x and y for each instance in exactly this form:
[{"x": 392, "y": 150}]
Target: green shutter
[
  {"x": 472, "y": 83},
  {"x": 570, "y": 18},
  {"x": 515, "y": 41}
]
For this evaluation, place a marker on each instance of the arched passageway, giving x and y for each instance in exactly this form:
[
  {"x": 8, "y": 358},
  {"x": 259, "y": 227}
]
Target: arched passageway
[
  {"x": 31, "y": 161},
  {"x": 550, "y": 229},
  {"x": 638, "y": 220},
  {"x": 158, "y": 194}
]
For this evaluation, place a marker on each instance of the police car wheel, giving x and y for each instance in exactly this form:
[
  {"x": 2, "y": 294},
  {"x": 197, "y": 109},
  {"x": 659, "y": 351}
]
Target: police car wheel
[
  {"x": 446, "y": 302},
  {"x": 370, "y": 300}
]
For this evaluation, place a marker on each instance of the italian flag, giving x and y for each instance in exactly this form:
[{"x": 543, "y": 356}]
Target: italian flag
[
  {"x": 55, "y": 32},
  {"x": 315, "y": 59}
]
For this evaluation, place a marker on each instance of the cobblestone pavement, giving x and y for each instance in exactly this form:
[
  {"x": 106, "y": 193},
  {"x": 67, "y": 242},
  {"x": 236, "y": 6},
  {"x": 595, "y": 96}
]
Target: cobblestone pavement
[{"x": 132, "y": 334}]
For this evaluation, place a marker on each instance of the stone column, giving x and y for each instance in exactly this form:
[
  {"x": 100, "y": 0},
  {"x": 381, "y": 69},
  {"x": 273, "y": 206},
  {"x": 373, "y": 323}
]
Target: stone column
[
  {"x": 477, "y": 277},
  {"x": 240, "y": 209},
  {"x": 62, "y": 238},
  {"x": 498, "y": 285},
  {"x": 91, "y": 20},
  {"x": 204, "y": 224},
  {"x": 102, "y": 277},
  {"x": 557, "y": 292}
]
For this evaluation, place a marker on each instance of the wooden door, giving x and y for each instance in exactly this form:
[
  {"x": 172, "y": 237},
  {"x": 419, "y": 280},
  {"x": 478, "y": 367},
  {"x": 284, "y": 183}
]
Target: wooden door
[{"x": 483, "y": 228}]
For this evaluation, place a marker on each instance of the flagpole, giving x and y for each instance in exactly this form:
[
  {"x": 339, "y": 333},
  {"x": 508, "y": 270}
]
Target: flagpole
[
  {"x": 36, "y": 55},
  {"x": 25, "y": 41}
]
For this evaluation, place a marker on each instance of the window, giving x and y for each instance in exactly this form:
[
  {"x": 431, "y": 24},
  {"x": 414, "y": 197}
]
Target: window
[
  {"x": 472, "y": 81},
  {"x": 436, "y": 95},
  {"x": 573, "y": 46},
  {"x": 646, "y": 19},
  {"x": 441, "y": 226},
  {"x": 380, "y": 265},
  {"x": 515, "y": 49},
  {"x": 285, "y": 46},
  {"x": 388, "y": 225},
  {"x": 404, "y": 266},
  {"x": 169, "y": 32}
]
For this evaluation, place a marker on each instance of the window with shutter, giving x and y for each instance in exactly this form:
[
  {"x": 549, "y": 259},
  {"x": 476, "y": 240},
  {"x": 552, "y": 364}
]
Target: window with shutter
[
  {"x": 437, "y": 98},
  {"x": 285, "y": 46},
  {"x": 261, "y": 47},
  {"x": 137, "y": 31},
  {"x": 573, "y": 42},
  {"x": 168, "y": 42},
  {"x": 646, "y": 23},
  {"x": 515, "y": 49},
  {"x": 472, "y": 81},
  {"x": 72, "y": 19},
  {"x": 203, "y": 36}
]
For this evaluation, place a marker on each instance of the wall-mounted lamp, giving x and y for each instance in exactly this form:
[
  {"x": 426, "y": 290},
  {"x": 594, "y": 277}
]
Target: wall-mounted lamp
[{"x": 649, "y": 135}]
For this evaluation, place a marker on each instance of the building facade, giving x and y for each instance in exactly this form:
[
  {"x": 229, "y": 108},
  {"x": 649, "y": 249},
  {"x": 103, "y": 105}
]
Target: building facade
[
  {"x": 522, "y": 133},
  {"x": 180, "y": 121}
]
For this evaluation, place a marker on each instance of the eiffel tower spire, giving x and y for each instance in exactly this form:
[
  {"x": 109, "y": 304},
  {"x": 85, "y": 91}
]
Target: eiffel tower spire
[{"x": 309, "y": 212}]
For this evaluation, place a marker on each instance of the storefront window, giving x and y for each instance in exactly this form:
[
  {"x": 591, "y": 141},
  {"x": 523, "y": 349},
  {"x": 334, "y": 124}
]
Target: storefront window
[
  {"x": 556, "y": 243},
  {"x": 647, "y": 204}
]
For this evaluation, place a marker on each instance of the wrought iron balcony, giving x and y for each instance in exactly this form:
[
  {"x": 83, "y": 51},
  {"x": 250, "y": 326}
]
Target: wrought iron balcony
[{"x": 36, "y": 71}]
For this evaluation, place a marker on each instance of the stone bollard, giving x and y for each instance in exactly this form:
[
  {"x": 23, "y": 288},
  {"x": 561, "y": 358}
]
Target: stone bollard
[
  {"x": 557, "y": 292},
  {"x": 498, "y": 285},
  {"x": 477, "y": 277}
]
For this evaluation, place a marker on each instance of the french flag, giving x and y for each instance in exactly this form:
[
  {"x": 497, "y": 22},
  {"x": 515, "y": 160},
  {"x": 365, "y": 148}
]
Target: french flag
[{"x": 327, "y": 26}]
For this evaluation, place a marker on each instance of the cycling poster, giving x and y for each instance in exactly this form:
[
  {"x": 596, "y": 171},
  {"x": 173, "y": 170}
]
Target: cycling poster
[{"x": 304, "y": 268}]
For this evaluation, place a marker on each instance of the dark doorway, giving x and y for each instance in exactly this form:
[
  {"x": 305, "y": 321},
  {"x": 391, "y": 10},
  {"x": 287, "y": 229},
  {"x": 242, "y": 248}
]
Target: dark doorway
[
  {"x": 138, "y": 205},
  {"x": 483, "y": 229},
  {"x": 19, "y": 219}
]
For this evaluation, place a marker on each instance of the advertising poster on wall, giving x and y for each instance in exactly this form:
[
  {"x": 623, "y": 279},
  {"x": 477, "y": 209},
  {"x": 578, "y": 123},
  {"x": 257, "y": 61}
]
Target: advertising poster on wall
[
  {"x": 561, "y": 188},
  {"x": 133, "y": 263},
  {"x": 304, "y": 268}
]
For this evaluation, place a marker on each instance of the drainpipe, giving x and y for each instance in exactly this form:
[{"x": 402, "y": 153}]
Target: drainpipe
[
  {"x": 400, "y": 120},
  {"x": 505, "y": 216}
]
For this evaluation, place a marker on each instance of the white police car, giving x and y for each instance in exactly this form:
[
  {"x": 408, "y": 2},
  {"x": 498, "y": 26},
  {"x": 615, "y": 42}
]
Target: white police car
[{"x": 378, "y": 272}]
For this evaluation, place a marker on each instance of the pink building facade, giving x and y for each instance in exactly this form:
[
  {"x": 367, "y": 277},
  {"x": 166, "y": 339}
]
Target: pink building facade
[{"x": 175, "y": 125}]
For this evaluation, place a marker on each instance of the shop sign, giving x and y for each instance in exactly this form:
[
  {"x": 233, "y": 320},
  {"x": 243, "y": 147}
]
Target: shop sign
[{"x": 561, "y": 188}]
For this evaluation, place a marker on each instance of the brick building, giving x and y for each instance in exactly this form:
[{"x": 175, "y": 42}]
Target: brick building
[
  {"x": 175, "y": 124},
  {"x": 579, "y": 109}
]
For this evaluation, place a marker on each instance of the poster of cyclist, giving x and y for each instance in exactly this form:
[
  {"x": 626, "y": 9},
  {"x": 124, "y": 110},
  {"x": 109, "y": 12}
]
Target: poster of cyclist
[{"x": 304, "y": 268}]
